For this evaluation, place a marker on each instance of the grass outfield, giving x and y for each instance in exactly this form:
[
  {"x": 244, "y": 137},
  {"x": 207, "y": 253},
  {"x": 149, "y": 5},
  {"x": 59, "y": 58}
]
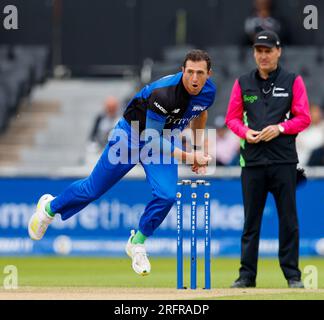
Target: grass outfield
[{"x": 117, "y": 272}]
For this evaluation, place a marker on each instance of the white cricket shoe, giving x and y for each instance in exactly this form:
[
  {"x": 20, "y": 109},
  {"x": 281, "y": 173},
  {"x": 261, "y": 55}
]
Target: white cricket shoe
[
  {"x": 137, "y": 253},
  {"x": 40, "y": 220}
]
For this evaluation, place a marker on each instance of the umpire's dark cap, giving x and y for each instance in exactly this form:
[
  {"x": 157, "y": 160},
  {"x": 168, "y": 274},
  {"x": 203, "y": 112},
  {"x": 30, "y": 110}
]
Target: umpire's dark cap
[{"x": 267, "y": 39}]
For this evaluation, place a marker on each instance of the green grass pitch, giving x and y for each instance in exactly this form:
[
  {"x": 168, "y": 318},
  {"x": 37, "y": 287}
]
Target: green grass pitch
[{"x": 117, "y": 272}]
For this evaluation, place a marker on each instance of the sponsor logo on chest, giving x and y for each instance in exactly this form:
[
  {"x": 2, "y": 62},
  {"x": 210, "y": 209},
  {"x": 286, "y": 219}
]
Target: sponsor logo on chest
[
  {"x": 250, "y": 99},
  {"x": 279, "y": 92}
]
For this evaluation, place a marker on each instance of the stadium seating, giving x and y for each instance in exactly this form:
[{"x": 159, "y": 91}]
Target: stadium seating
[
  {"x": 21, "y": 68},
  {"x": 175, "y": 54},
  {"x": 36, "y": 57},
  {"x": 3, "y": 108},
  {"x": 165, "y": 68}
]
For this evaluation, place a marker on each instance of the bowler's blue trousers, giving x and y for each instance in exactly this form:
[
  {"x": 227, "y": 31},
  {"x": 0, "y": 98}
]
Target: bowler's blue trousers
[{"x": 162, "y": 178}]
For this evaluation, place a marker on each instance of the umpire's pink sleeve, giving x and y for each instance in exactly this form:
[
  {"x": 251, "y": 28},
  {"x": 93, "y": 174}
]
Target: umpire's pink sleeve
[
  {"x": 299, "y": 108},
  {"x": 234, "y": 116}
]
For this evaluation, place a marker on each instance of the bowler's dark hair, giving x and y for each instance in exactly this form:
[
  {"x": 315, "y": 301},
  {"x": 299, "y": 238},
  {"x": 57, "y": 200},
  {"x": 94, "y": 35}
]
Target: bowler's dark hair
[{"x": 197, "y": 55}]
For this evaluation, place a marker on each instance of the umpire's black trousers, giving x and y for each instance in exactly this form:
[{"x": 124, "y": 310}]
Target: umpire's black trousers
[{"x": 280, "y": 180}]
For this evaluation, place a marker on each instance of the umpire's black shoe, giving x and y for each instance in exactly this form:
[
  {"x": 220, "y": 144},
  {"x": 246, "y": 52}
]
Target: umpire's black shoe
[
  {"x": 298, "y": 284},
  {"x": 243, "y": 283}
]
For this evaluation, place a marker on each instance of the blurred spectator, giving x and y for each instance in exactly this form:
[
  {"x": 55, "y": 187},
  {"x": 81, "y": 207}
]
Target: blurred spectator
[
  {"x": 104, "y": 123},
  {"x": 225, "y": 148},
  {"x": 313, "y": 137},
  {"x": 262, "y": 19}
]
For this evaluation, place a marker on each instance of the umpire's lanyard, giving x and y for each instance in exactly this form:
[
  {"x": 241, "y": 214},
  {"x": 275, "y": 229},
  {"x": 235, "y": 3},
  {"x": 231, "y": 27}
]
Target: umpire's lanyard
[{"x": 266, "y": 85}]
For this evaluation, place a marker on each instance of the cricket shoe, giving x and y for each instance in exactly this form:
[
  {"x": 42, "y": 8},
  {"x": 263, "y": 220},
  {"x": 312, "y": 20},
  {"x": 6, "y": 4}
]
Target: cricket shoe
[
  {"x": 40, "y": 220},
  {"x": 137, "y": 253}
]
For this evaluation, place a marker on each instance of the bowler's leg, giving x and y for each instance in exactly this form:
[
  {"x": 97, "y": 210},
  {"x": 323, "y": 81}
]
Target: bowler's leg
[
  {"x": 82, "y": 192},
  {"x": 163, "y": 180},
  {"x": 113, "y": 164}
]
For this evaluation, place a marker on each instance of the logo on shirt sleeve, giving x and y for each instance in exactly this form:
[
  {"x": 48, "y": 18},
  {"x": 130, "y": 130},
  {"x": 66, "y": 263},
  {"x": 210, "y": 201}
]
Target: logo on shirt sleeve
[
  {"x": 160, "y": 107},
  {"x": 199, "y": 108}
]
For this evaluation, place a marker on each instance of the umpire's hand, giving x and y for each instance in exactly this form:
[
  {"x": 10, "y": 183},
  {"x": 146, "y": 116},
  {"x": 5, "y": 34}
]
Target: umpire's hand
[
  {"x": 269, "y": 133},
  {"x": 253, "y": 136}
]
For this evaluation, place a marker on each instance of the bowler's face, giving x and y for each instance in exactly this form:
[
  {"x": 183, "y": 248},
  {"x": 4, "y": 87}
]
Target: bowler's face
[
  {"x": 267, "y": 58},
  {"x": 195, "y": 75}
]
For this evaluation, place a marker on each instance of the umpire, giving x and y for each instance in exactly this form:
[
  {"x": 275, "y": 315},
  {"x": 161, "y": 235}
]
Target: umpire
[{"x": 268, "y": 107}]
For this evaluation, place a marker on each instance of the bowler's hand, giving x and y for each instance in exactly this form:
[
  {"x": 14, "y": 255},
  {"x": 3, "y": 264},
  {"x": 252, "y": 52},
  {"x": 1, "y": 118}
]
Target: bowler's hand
[
  {"x": 253, "y": 136},
  {"x": 199, "y": 169},
  {"x": 269, "y": 133},
  {"x": 201, "y": 159}
]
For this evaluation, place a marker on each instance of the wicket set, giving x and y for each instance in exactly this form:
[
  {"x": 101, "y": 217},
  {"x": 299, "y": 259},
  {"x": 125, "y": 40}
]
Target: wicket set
[{"x": 193, "y": 187}]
